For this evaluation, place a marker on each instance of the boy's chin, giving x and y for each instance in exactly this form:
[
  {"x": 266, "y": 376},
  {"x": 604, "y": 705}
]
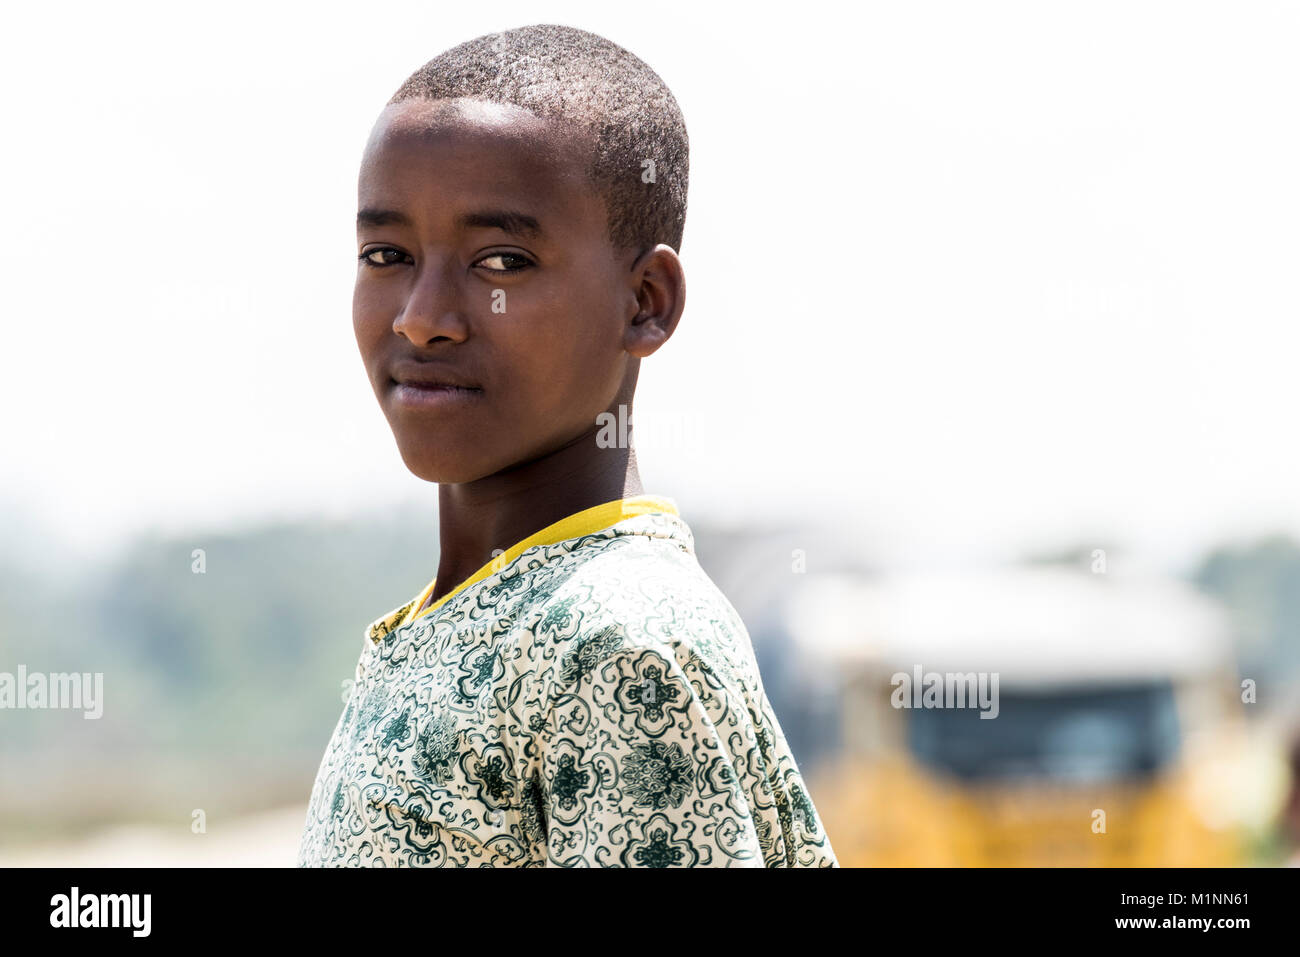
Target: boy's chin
[{"x": 443, "y": 468}]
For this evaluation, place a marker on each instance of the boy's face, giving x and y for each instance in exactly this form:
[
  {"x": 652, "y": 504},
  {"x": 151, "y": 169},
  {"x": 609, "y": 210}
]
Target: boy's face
[{"x": 498, "y": 275}]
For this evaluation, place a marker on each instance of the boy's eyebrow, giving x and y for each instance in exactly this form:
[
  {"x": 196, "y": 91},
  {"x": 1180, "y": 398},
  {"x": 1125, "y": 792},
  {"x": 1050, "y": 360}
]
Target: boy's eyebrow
[
  {"x": 508, "y": 221},
  {"x": 373, "y": 216}
]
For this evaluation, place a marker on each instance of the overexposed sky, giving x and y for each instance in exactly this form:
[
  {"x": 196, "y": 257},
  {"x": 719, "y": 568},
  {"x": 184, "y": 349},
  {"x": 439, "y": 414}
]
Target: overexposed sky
[{"x": 967, "y": 278}]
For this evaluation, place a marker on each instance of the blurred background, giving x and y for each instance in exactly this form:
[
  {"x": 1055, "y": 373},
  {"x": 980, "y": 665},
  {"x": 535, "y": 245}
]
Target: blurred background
[{"x": 988, "y": 367}]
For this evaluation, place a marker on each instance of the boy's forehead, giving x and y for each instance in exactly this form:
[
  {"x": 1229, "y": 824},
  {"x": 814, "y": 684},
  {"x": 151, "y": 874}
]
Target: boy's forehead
[{"x": 497, "y": 132}]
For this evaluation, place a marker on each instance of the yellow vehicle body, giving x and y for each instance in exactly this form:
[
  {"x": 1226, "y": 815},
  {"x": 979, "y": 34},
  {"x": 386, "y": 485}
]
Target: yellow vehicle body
[{"x": 892, "y": 813}]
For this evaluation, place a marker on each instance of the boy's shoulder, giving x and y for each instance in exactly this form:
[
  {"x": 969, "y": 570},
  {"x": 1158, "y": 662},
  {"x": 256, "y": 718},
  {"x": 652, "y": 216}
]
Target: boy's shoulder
[
  {"x": 641, "y": 590},
  {"x": 644, "y": 658}
]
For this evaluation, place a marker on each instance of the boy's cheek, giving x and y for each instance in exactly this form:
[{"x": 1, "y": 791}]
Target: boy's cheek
[
  {"x": 368, "y": 346},
  {"x": 369, "y": 329}
]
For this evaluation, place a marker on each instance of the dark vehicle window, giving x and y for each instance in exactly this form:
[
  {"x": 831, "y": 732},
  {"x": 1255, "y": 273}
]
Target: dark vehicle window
[{"x": 1070, "y": 734}]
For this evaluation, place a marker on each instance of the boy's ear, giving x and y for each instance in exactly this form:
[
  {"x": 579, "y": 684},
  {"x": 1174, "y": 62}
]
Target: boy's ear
[{"x": 659, "y": 285}]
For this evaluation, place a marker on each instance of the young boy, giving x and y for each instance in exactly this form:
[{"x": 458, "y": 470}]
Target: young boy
[{"x": 571, "y": 689}]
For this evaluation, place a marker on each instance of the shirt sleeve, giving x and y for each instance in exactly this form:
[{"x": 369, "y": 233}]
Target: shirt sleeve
[{"x": 635, "y": 773}]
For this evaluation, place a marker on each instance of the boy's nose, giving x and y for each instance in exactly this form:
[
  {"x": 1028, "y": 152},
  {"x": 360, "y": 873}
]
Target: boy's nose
[{"x": 434, "y": 308}]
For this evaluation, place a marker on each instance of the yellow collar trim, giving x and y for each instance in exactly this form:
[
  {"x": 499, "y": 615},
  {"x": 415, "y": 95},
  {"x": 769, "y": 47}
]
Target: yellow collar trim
[{"x": 587, "y": 521}]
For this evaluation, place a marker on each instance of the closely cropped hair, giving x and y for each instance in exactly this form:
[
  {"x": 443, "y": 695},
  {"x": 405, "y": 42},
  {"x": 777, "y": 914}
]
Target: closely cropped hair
[{"x": 585, "y": 81}]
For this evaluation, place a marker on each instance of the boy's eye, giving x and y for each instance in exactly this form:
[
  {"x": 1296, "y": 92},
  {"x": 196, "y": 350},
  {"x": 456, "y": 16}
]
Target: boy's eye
[
  {"x": 367, "y": 257},
  {"x": 504, "y": 262}
]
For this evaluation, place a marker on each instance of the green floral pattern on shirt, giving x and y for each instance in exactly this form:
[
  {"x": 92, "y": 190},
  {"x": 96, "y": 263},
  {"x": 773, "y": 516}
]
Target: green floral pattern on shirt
[{"x": 593, "y": 703}]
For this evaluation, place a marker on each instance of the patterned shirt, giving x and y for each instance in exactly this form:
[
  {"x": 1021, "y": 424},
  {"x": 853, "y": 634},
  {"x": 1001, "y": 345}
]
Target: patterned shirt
[{"x": 587, "y": 699}]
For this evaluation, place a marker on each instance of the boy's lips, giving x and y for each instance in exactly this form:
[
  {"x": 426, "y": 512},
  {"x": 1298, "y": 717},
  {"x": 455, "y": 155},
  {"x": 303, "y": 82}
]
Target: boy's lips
[
  {"x": 428, "y": 375},
  {"x": 428, "y": 384}
]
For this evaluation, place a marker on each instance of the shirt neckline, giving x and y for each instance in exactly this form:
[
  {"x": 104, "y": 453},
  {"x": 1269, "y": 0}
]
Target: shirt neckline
[{"x": 589, "y": 520}]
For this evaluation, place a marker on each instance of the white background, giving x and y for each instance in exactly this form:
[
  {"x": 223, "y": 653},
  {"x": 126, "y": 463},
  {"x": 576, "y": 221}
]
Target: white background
[{"x": 967, "y": 279}]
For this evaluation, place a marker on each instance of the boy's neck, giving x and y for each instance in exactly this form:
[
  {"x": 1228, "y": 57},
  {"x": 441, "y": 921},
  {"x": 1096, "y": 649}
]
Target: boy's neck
[{"x": 476, "y": 518}]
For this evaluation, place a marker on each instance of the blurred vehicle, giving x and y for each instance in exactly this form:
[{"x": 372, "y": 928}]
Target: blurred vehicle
[{"x": 1110, "y": 735}]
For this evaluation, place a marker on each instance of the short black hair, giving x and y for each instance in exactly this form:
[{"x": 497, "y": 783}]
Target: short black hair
[{"x": 585, "y": 81}]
